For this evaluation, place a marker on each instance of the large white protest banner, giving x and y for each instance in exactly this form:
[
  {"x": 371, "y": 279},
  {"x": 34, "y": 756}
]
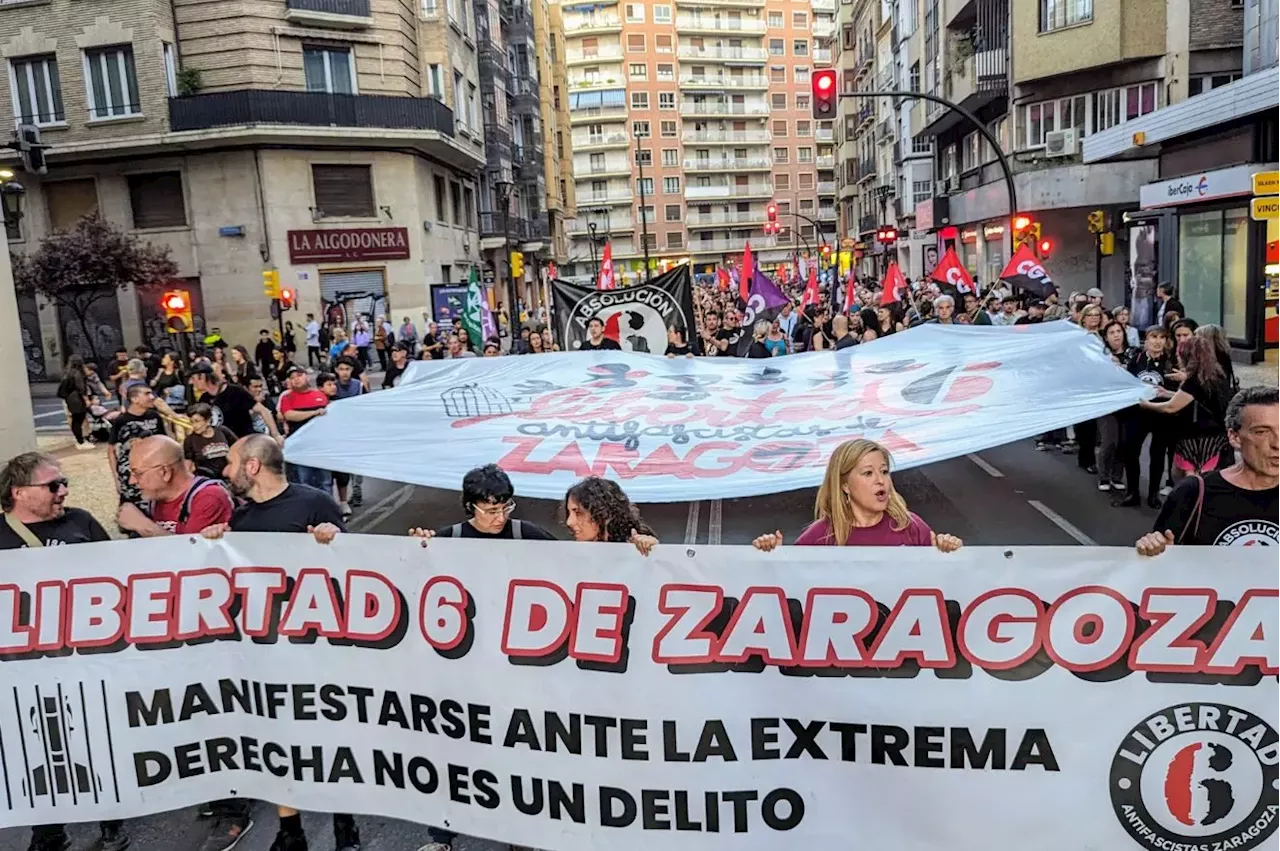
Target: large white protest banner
[
  {"x": 665, "y": 427},
  {"x": 716, "y": 699}
]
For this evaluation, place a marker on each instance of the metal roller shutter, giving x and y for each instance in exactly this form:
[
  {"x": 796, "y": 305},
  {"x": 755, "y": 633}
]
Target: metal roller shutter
[{"x": 360, "y": 292}]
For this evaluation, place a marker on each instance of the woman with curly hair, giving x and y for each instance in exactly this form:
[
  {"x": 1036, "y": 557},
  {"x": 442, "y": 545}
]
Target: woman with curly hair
[{"x": 597, "y": 510}]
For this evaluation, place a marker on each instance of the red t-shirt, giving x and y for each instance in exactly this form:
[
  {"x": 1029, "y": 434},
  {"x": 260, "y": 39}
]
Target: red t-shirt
[
  {"x": 301, "y": 400},
  {"x": 211, "y": 504},
  {"x": 917, "y": 534}
]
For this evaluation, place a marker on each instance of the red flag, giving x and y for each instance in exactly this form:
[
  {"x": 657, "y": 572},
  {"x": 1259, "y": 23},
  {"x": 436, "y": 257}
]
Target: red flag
[
  {"x": 951, "y": 273},
  {"x": 745, "y": 275},
  {"x": 606, "y": 269},
  {"x": 811, "y": 295},
  {"x": 722, "y": 278},
  {"x": 1026, "y": 272},
  {"x": 893, "y": 284},
  {"x": 850, "y": 290}
]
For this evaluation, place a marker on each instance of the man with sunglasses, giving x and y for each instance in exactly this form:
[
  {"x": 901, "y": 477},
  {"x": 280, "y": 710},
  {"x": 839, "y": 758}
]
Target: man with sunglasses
[
  {"x": 488, "y": 499},
  {"x": 32, "y": 493}
]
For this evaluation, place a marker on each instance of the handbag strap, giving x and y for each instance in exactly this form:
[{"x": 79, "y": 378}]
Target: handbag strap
[
  {"x": 1196, "y": 512},
  {"x": 20, "y": 529}
]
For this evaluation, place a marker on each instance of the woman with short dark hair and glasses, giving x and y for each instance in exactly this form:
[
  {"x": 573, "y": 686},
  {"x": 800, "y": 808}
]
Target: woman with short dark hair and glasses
[{"x": 489, "y": 500}]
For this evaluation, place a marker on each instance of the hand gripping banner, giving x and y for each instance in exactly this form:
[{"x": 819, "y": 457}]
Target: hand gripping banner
[
  {"x": 702, "y": 699},
  {"x": 662, "y": 426}
]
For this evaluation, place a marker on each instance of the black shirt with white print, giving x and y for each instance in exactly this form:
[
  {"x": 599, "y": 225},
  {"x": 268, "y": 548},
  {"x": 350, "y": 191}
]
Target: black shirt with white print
[
  {"x": 1229, "y": 516},
  {"x": 124, "y": 431},
  {"x": 75, "y": 526}
]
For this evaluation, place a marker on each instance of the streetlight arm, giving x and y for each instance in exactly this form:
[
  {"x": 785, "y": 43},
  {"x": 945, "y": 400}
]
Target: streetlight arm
[{"x": 968, "y": 116}]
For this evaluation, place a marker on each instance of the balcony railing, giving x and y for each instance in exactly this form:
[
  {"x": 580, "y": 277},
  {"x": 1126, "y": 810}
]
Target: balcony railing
[
  {"x": 604, "y": 53},
  {"x": 689, "y": 107},
  {"x": 597, "y": 113},
  {"x": 826, "y": 187},
  {"x": 706, "y": 246},
  {"x": 826, "y": 161},
  {"x": 822, "y": 56},
  {"x": 303, "y": 9},
  {"x": 606, "y": 169},
  {"x": 823, "y": 29},
  {"x": 729, "y": 190},
  {"x": 702, "y": 23},
  {"x": 725, "y": 54},
  {"x": 824, "y": 134},
  {"x": 728, "y": 137},
  {"x": 592, "y": 24},
  {"x": 308, "y": 109},
  {"x": 866, "y": 224},
  {"x": 734, "y": 217},
  {"x": 617, "y": 196},
  {"x": 826, "y": 214},
  {"x": 820, "y": 6},
  {"x": 724, "y": 81},
  {"x": 601, "y": 140},
  {"x": 728, "y": 164},
  {"x": 604, "y": 224}
]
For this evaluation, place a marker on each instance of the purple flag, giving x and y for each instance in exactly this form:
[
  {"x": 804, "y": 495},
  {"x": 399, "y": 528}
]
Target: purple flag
[{"x": 765, "y": 303}]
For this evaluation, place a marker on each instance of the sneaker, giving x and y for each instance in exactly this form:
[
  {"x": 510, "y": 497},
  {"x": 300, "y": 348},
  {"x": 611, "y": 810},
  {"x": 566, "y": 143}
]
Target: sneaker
[
  {"x": 436, "y": 846},
  {"x": 346, "y": 511},
  {"x": 1104, "y": 485},
  {"x": 286, "y": 841},
  {"x": 1069, "y": 447},
  {"x": 1041, "y": 446},
  {"x": 1129, "y": 500},
  {"x": 111, "y": 837},
  {"x": 1154, "y": 502},
  {"x": 225, "y": 831},
  {"x": 86, "y": 446},
  {"x": 1091, "y": 469},
  {"x": 1166, "y": 490}
]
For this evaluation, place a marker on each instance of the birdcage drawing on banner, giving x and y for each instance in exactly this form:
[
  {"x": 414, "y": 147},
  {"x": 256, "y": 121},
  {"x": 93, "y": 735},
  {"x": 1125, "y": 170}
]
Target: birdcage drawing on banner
[{"x": 472, "y": 400}]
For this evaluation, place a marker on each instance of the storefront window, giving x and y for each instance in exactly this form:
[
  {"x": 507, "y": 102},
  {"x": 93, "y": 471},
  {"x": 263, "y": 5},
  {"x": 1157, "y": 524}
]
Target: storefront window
[
  {"x": 1200, "y": 265},
  {"x": 1235, "y": 273}
]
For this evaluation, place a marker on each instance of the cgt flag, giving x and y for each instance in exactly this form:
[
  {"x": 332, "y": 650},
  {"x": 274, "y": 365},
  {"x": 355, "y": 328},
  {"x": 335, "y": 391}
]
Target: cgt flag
[
  {"x": 951, "y": 273},
  {"x": 894, "y": 283},
  {"x": 1025, "y": 272},
  {"x": 763, "y": 302}
]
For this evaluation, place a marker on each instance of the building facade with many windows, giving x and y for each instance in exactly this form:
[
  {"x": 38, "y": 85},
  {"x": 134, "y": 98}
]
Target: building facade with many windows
[
  {"x": 688, "y": 118},
  {"x": 336, "y": 141}
]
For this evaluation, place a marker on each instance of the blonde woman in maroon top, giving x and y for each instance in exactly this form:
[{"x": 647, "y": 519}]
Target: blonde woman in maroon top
[{"x": 857, "y": 506}]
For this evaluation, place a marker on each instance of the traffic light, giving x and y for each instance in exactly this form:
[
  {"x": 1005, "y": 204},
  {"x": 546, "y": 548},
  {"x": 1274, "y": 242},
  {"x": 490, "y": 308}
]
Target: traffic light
[
  {"x": 517, "y": 264},
  {"x": 1045, "y": 246},
  {"x": 887, "y": 234},
  {"x": 825, "y": 250},
  {"x": 288, "y": 298},
  {"x": 824, "y": 93},
  {"x": 271, "y": 283},
  {"x": 771, "y": 227},
  {"x": 771, "y": 211},
  {"x": 1098, "y": 221},
  {"x": 31, "y": 149},
  {"x": 177, "y": 311},
  {"x": 1025, "y": 230}
]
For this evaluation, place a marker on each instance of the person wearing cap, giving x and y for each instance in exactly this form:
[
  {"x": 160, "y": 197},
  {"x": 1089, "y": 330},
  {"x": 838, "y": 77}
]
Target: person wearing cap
[
  {"x": 1034, "y": 315},
  {"x": 399, "y": 363},
  {"x": 299, "y": 405},
  {"x": 1095, "y": 296},
  {"x": 232, "y": 405}
]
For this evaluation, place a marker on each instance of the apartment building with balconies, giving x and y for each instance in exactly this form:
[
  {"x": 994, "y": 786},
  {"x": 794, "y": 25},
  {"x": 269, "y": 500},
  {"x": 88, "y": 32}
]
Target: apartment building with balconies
[
  {"x": 333, "y": 140},
  {"x": 1042, "y": 77},
  {"x": 687, "y": 119}
]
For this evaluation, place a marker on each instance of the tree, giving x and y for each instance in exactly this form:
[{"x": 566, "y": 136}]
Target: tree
[{"x": 75, "y": 269}]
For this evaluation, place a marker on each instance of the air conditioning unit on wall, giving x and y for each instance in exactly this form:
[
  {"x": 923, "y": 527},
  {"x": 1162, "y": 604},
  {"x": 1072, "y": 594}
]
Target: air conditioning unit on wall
[{"x": 1061, "y": 143}]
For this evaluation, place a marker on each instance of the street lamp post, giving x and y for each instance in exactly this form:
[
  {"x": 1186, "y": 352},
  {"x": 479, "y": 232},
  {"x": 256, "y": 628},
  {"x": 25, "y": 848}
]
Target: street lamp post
[
  {"x": 505, "y": 189},
  {"x": 595, "y": 262},
  {"x": 644, "y": 218}
]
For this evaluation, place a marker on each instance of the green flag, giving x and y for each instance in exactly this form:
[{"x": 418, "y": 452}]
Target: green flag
[{"x": 473, "y": 313}]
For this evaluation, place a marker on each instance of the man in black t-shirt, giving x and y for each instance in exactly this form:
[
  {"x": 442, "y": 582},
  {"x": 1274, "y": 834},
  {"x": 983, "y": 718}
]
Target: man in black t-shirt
[
  {"x": 488, "y": 498},
  {"x": 255, "y": 472},
  {"x": 138, "y": 420},
  {"x": 596, "y": 340},
  {"x": 233, "y": 406},
  {"x": 32, "y": 492},
  {"x": 1238, "y": 506},
  {"x": 399, "y": 363}
]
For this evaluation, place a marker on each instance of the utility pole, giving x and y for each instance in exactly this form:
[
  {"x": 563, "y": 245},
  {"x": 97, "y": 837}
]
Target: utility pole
[
  {"x": 17, "y": 424},
  {"x": 595, "y": 262},
  {"x": 505, "y": 189},
  {"x": 644, "y": 218}
]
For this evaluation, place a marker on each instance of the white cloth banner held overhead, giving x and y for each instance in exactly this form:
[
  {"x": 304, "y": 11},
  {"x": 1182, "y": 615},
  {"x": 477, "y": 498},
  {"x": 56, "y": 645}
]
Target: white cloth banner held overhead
[
  {"x": 664, "y": 427},
  {"x": 717, "y": 699}
]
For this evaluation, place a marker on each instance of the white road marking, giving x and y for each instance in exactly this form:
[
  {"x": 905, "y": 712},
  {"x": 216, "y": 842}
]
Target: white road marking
[
  {"x": 691, "y": 524},
  {"x": 985, "y": 467},
  {"x": 1062, "y": 523},
  {"x": 715, "y": 522},
  {"x": 382, "y": 509},
  {"x": 62, "y": 414}
]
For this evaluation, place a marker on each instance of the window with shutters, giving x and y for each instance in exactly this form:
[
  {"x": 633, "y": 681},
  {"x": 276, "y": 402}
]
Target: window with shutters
[
  {"x": 68, "y": 201},
  {"x": 112, "y": 82},
  {"x": 344, "y": 190},
  {"x": 37, "y": 91},
  {"x": 157, "y": 200},
  {"x": 329, "y": 69},
  {"x": 673, "y": 212}
]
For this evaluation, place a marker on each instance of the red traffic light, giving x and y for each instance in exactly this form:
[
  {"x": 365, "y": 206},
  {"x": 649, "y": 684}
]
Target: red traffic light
[
  {"x": 824, "y": 93},
  {"x": 1021, "y": 223},
  {"x": 826, "y": 250},
  {"x": 174, "y": 301},
  {"x": 287, "y": 297},
  {"x": 771, "y": 210},
  {"x": 1046, "y": 245}
]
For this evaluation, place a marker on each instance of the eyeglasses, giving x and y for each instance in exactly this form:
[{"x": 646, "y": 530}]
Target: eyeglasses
[
  {"x": 53, "y": 486},
  {"x": 138, "y": 473},
  {"x": 494, "y": 510}
]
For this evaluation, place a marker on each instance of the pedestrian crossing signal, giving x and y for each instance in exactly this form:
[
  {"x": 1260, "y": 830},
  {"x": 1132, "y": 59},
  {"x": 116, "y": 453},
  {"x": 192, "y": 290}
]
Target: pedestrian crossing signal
[{"x": 177, "y": 311}]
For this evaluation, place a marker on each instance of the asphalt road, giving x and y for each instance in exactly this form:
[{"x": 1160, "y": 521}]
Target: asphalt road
[{"x": 1010, "y": 495}]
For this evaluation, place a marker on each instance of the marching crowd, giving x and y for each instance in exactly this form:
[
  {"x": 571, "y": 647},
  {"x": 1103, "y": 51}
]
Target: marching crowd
[{"x": 196, "y": 448}]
